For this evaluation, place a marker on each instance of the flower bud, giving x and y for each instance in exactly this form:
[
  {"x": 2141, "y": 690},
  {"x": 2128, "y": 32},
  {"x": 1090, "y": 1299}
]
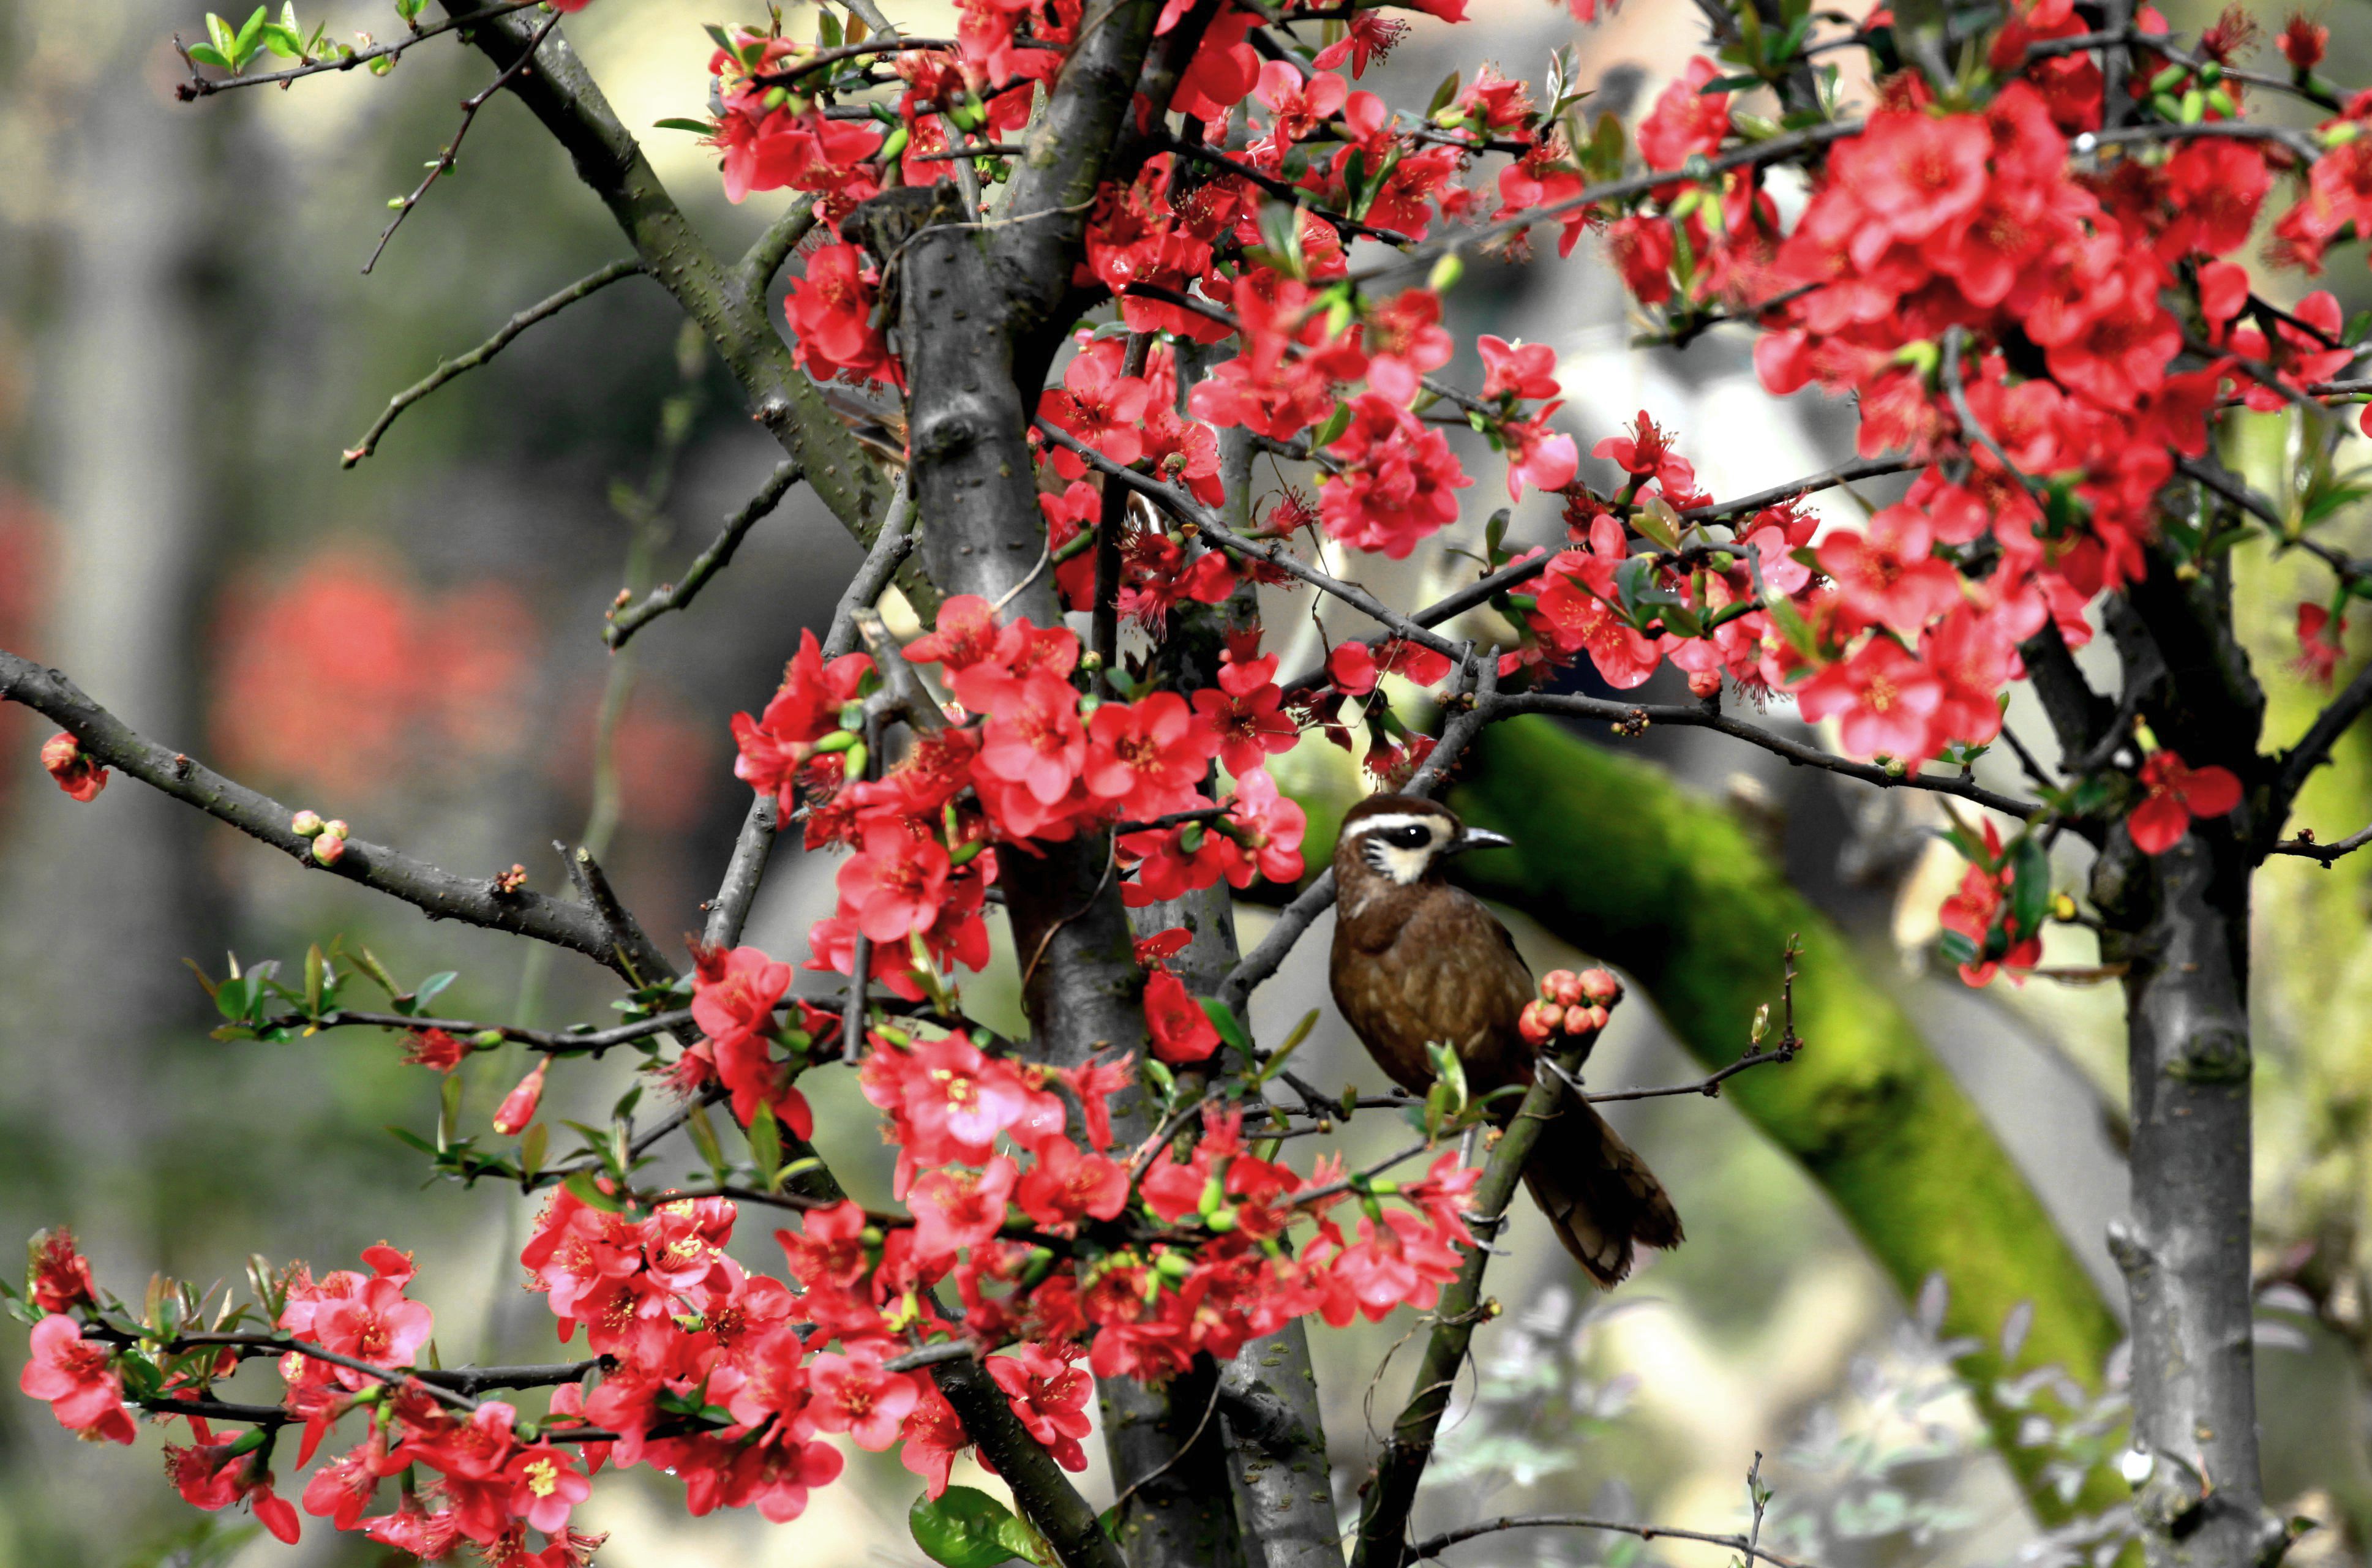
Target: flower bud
[
  {"x": 307, "y": 824},
  {"x": 1446, "y": 273},
  {"x": 1540, "y": 1020},
  {"x": 1561, "y": 987},
  {"x": 1704, "y": 684},
  {"x": 1601, "y": 987},
  {"x": 518, "y": 1107},
  {"x": 336, "y": 825},
  {"x": 330, "y": 848}
]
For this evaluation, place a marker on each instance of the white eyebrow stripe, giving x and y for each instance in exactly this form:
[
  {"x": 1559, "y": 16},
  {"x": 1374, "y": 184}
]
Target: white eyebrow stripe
[{"x": 1391, "y": 820}]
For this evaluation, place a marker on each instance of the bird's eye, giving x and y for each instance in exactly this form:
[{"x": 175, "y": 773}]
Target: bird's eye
[{"x": 1413, "y": 836}]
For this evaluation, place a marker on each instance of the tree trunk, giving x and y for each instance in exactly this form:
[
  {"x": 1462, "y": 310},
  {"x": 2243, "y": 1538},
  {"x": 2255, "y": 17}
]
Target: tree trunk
[{"x": 2180, "y": 921}]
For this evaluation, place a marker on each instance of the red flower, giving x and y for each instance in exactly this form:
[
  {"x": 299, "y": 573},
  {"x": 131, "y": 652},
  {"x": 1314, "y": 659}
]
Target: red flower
[
  {"x": 933, "y": 1437},
  {"x": 435, "y": 1050},
  {"x": 2319, "y": 646},
  {"x": 545, "y": 1484},
  {"x": 1182, "y": 1030},
  {"x": 852, "y": 1394},
  {"x": 1150, "y": 753},
  {"x": 2303, "y": 41},
  {"x": 1911, "y": 175},
  {"x": 1404, "y": 340},
  {"x": 1518, "y": 369},
  {"x": 61, "y": 1274},
  {"x": 1245, "y": 715},
  {"x": 956, "y": 1209},
  {"x": 1370, "y": 37},
  {"x": 1066, "y": 1183},
  {"x": 1397, "y": 483},
  {"x": 1886, "y": 577},
  {"x": 894, "y": 886},
  {"x": 1034, "y": 739},
  {"x": 1884, "y": 696},
  {"x": 75, "y": 1376},
  {"x": 1098, "y": 405},
  {"x": 76, "y": 771},
  {"x": 1536, "y": 456},
  {"x": 1686, "y": 118},
  {"x": 831, "y": 311},
  {"x": 2177, "y": 793},
  {"x": 1049, "y": 1393},
  {"x": 1351, "y": 668}
]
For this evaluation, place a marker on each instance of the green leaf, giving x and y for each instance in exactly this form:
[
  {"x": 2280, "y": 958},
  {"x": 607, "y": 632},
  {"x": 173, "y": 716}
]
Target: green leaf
[
  {"x": 588, "y": 1192},
  {"x": 2030, "y": 889},
  {"x": 703, "y": 1138},
  {"x": 219, "y": 34},
  {"x": 1232, "y": 1029},
  {"x": 697, "y": 127},
  {"x": 965, "y": 1527},
  {"x": 315, "y": 968},
  {"x": 765, "y": 1145},
  {"x": 1957, "y": 948},
  {"x": 828, "y": 33},
  {"x": 1335, "y": 424},
  {"x": 532, "y": 1145},
  {"x": 431, "y": 989}
]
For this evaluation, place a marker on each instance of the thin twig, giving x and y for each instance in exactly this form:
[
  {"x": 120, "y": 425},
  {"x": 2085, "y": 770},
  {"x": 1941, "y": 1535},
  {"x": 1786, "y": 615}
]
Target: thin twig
[
  {"x": 2306, "y": 845},
  {"x": 448, "y": 370},
  {"x": 1432, "y": 1546},
  {"x": 445, "y": 157},
  {"x": 199, "y": 87},
  {"x": 624, "y": 622},
  {"x": 551, "y": 1041},
  {"x": 437, "y": 892},
  {"x": 1576, "y": 706}
]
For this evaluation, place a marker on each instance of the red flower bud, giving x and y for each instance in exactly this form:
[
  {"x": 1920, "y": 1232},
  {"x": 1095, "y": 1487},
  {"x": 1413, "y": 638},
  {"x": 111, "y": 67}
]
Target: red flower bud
[
  {"x": 518, "y": 1107},
  {"x": 307, "y": 824},
  {"x": 1601, "y": 987},
  {"x": 328, "y": 847},
  {"x": 1704, "y": 684},
  {"x": 1540, "y": 1020},
  {"x": 75, "y": 772},
  {"x": 1561, "y": 987}
]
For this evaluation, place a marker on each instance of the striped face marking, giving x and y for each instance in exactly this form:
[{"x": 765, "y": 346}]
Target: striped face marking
[{"x": 1401, "y": 845}]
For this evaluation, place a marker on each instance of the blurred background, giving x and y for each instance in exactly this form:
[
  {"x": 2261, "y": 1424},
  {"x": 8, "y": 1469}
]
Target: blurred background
[{"x": 186, "y": 344}]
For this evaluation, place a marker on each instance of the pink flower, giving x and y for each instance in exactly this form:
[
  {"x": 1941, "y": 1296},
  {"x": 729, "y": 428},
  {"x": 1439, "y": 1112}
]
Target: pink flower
[
  {"x": 545, "y": 1484},
  {"x": 1883, "y": 698},
  {"x": 853, "y": 1394},
  {"x": 77, "y": 1379}
]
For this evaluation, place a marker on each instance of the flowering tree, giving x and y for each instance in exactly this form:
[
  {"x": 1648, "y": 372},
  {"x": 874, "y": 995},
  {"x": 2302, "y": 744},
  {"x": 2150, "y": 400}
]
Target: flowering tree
[{"x": 1089, "y": 259}]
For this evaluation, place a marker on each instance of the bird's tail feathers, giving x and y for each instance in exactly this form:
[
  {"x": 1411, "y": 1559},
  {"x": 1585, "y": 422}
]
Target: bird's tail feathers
[{"x": 1597, "y": 1193}]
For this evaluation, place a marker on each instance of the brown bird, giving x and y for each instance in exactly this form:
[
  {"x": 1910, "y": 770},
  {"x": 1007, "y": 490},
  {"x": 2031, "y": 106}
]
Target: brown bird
[{"x": 1417, "y": 960}]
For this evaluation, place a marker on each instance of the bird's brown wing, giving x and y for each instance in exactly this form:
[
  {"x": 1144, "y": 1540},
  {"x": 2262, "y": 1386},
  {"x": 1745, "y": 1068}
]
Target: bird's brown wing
[{"x": 1438, "y": 966}]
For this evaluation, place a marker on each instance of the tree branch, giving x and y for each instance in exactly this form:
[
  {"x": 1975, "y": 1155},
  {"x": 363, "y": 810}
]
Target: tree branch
[
  {"x": 1391, "y": 1489},
  {"x": 199, "y": 87},
  {"x": 1432, "y": 1546},
  {"x": 1576, "y": 706},
  {"x": 2299, "y": 763},
  {"x": 624, "y": 623},
  {"x": 563, "y": 95},
  {"x": 436, "y": 892},
  {"x": 448, "y": 370}
]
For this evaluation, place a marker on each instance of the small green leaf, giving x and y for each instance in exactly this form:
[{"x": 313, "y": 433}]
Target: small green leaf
[
  {"x": 588, "y": 1192},
  {"x": 532, "y": 1145},
  {"x": 765, "y": 1145},
  {"x": 1232, "y": 1029},
  {"x": 676, "y": 122},
  {"x": 431, "y": 989},
  {"x": 965, "y": 1527},
  {"x": 1336, "y": 424},
  {"x": 703, "y": 1138},
  {"x": 2030, "y": 889},
  {"x": 315, "y": 973}
]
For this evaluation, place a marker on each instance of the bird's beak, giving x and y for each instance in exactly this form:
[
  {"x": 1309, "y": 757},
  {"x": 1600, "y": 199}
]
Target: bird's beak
[{"x": 1483, "y": 838}]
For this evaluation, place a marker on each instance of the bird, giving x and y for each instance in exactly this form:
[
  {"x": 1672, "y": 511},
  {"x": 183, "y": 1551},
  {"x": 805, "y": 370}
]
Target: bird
[{"x": 1416, "y": 961}]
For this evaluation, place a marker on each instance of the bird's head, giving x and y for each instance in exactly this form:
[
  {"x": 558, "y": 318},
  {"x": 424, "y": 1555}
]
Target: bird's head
[{"x": 1402, "y": 839}]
